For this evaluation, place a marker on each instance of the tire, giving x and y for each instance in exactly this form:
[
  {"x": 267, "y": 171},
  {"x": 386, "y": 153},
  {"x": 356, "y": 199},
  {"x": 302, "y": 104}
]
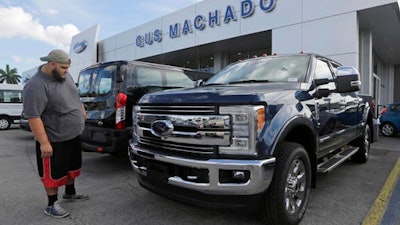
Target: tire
[
  {"x": 5, "y": 123},
  {"x": 286, "y": 199},
  {"x": 387, "y": 129},
  {"x": 364, "y": 144}
]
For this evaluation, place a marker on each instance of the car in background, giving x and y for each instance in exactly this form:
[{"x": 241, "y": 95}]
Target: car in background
[
  {"x": 389, "y": 118},
  {"x": 10, "y": 104}
]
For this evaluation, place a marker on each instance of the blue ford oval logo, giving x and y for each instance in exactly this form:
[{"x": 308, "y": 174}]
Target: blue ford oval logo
[
  {"x": 80, "y": 46},
  {"x": 162, "y": 128}
]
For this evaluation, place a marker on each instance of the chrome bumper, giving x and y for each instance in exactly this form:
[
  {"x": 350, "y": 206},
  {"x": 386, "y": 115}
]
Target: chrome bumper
[{"x": 261, "y": 172}]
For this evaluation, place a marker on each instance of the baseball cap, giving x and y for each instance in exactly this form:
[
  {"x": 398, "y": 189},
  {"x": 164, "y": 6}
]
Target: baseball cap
[{"x": 58, "y": 56}]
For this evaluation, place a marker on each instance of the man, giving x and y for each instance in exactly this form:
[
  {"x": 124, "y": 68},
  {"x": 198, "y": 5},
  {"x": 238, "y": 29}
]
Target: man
[{"x": 56, "y": 118}]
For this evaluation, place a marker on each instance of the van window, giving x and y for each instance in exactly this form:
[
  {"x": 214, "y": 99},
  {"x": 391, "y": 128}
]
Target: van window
[
  {"x": 97, "y": 81},
  {"x": 178, "y": 79},
  {"x": 154, "y": 77},
  {"x": 10, "y": 96},
  {"x": 149, "y": 77}
]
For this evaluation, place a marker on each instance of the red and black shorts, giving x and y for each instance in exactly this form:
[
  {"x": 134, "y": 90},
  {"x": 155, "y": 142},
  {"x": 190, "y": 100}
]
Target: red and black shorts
[{"x": 65, "y": 163}]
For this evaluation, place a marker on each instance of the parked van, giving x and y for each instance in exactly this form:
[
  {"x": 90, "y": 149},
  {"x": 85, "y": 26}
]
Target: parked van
[
  {"x": 10, "y": 104},
  {"x": 110, "y": 90}
]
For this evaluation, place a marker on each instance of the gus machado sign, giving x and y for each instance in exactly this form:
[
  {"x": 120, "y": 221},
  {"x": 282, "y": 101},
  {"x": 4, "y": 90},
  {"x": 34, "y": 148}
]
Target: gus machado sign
[{"x": 200, "y": 22}]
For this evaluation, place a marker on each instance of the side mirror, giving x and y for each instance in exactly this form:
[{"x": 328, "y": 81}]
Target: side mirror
[{"x": 347, "y": 79}]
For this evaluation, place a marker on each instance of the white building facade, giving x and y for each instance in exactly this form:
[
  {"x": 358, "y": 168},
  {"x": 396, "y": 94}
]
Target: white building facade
[{"x": 211, "y": 34}]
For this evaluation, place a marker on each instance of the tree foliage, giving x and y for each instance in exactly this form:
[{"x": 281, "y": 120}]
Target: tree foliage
[{"x": 9, "y": 76}]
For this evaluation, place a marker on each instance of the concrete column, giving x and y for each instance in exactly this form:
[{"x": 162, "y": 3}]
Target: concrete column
[
  {"x": 366, "y": 63},
  {"x": 220, "y": 61}
]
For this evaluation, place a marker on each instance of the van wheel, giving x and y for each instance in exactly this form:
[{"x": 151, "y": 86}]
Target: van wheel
[
  {"x": 5, "y": 123},
  {"x": 286, "y": 199}
]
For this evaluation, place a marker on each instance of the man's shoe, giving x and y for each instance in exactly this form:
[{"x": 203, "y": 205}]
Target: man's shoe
[
  {"x": 56, "y": 211},
  {"x": 75, "y": 197}
]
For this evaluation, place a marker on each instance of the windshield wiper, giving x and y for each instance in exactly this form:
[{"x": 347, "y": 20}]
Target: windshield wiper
[{"x": 249, "y": 81}]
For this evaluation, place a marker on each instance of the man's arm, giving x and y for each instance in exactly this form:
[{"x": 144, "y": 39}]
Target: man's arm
[
  {"x": 83, "y": 111},
  {"x": 37, "y": 127}
]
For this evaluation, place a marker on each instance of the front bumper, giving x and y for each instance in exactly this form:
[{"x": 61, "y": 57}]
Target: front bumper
[{"x": 167, "y": 169}]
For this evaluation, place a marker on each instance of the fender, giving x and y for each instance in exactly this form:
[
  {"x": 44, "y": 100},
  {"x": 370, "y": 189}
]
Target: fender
[{"x": 289, "y": 129}]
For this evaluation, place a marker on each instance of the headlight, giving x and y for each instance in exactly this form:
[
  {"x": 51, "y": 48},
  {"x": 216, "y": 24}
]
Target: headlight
[
  {"x": 134, "y": 123},
  {"x": 247, "y": 123}
]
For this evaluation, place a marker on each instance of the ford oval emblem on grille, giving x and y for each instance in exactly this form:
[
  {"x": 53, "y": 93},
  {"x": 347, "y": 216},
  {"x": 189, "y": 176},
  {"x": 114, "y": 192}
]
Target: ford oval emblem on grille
[{"x": 162, "y": 128}]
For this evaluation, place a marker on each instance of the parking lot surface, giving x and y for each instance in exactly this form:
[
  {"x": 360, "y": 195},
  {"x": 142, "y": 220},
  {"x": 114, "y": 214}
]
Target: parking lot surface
[{"x": 343, "y": 197}]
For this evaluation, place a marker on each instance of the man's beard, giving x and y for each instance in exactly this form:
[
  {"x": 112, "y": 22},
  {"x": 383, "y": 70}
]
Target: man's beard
[{"x": 57, "y": 75}]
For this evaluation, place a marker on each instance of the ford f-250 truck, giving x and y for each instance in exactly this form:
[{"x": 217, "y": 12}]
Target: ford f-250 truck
[{"x": 254, "y": 136}]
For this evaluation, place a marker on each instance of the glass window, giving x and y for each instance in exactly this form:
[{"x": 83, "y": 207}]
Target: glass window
[
  {"x": 322, "y": 70},
  {"x": 84, "y": 82},
  {"x": 148, "y": 77},
  {"x": 207, "y": 64},
  {"x": 271, "y": 69},
  {"x": 11, "y": 96},
  {"x": 103, "y": 79},
  {"x": 97, "y": 81},
  {"x": 178, "y": 79}
]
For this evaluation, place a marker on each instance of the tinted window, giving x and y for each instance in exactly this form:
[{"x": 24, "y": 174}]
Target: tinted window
[
  {"x": 322, "y": 70},
  {"x": 178, "y": 79},
  {"x": 162, "y": 78},
  {"x": 148, "y": 76},
  {"x": 10, "y": 96},
  {"x": 96, "y": 81}
]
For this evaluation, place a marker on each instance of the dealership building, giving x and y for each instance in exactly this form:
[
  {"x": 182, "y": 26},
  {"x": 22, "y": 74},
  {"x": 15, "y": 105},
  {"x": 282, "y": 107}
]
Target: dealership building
[{"x": 212, "y": 34}]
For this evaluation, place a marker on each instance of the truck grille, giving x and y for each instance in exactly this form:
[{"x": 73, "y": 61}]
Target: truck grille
[
  {"x": 183, "y": 110},
  {"x": 195, "y": 133}
]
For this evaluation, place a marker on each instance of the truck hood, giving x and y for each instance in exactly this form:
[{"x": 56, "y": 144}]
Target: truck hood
[{"x": 226, "y": 94}]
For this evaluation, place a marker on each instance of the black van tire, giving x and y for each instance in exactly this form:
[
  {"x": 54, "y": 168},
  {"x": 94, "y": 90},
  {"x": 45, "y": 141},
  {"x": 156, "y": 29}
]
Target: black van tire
[
  {"x": 5, "y": 123},
  {"x": 286, "y": 199}
]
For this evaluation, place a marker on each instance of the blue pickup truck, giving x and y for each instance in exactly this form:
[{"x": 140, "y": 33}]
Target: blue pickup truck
[{"x": 254, "y": 136}]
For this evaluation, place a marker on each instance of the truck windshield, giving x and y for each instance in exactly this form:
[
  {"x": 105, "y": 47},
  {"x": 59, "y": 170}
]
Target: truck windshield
[
  {"x": 96, "y": 81},
  {"x": 264, "y": 69}
]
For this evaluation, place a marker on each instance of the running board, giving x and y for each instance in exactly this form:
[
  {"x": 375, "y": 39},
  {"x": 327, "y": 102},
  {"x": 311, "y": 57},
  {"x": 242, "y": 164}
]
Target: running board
[{"x": 336, "y": 160}]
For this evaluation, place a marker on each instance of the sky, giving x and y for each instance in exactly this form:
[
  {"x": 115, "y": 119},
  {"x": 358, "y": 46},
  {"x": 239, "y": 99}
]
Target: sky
[{"x": 30, "y": 29}]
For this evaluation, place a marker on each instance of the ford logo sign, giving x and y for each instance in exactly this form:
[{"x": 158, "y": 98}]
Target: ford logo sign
[
  {"x": 80, "y": 46},
  {"x": 162, "y": 128}
]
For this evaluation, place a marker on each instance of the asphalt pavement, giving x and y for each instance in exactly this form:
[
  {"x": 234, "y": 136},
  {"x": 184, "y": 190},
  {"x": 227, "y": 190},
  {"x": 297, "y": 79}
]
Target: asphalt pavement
[{"x": 352, "y": 194}]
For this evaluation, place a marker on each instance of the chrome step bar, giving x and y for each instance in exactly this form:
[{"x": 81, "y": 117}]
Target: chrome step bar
[{"x": 336, "y": 160}]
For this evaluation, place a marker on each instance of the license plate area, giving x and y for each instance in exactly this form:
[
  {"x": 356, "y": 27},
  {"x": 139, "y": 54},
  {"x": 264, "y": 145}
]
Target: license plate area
[{"x": 158, "y": 171}]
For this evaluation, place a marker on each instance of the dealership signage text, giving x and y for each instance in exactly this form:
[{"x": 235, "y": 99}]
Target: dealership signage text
[{"x": 200, "y": 22}]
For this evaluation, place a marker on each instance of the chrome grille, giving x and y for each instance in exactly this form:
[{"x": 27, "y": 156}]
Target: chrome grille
[
  {"x": 196, "y": 132},
  {"x": 184, "y": 110}
]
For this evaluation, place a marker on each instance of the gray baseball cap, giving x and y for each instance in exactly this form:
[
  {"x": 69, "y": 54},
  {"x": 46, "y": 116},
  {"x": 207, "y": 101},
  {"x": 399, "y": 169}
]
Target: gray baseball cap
[{"x": 58, "y": 56}]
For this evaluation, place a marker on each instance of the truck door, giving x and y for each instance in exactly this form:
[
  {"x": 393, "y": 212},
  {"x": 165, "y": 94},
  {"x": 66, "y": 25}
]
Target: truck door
[{"x": 330, "y": 109}]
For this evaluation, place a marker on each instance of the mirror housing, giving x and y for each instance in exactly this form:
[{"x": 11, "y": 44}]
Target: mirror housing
[{"x": 347, "y": 79}]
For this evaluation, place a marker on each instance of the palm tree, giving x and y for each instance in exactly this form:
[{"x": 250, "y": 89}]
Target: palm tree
[{"x": 9, "y": 76}]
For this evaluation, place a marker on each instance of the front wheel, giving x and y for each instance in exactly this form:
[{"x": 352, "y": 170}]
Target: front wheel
[
  {"x": 364, "y": 144},
  {"x": 5, "y": 123},
  {"x": 286, "y": 199}
]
